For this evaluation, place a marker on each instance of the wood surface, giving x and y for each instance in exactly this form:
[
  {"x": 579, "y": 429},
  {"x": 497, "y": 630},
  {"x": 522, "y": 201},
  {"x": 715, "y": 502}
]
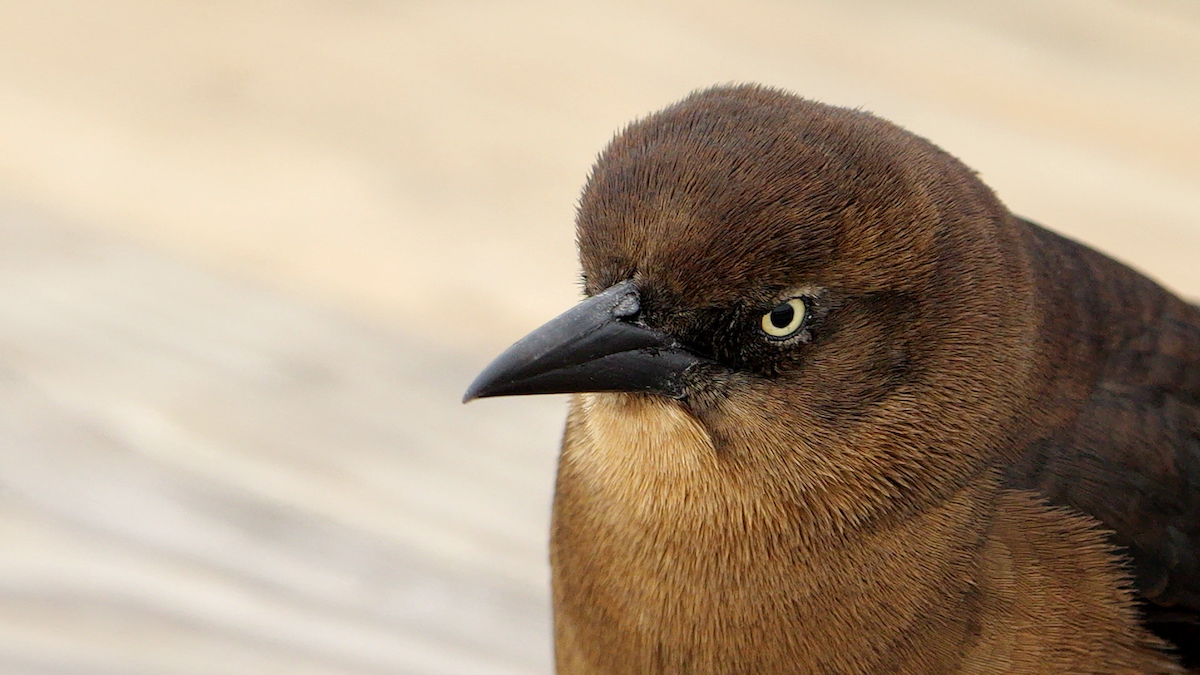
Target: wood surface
[{"x": 252, "y": 253}]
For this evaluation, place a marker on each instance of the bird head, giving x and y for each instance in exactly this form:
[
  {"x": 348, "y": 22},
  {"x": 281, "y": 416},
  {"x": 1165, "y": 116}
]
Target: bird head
[{"x": 833, "y": 300}]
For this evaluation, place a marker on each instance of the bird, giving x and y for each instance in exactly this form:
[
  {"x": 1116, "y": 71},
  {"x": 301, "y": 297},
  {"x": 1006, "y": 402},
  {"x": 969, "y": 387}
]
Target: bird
[{"x": 835, "y": 409}]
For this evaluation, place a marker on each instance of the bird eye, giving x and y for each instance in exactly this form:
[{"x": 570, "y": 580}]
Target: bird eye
[{"x": 786, "y": 319}]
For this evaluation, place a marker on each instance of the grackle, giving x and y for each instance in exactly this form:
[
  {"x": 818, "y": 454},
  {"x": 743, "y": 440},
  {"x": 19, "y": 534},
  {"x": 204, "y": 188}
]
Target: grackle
[{"x": 836, "y": 410}]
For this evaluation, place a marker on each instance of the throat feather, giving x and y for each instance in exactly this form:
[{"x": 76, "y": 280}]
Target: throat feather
[{"x": 645, "y": 455}]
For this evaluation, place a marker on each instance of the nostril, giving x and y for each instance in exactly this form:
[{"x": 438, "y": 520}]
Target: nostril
[{"x": 627, "y": 306}]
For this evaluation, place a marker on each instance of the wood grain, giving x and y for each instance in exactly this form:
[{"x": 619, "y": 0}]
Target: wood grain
[{"x": 198, "y": 475}]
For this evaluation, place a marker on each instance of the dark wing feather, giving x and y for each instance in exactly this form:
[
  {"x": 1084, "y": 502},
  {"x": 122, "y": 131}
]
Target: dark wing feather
[{"x": 1128, "y": 454}]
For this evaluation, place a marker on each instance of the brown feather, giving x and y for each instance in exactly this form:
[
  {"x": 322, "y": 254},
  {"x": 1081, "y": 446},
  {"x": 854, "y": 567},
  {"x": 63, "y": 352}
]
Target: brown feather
[{"x": 846, "y": 503}]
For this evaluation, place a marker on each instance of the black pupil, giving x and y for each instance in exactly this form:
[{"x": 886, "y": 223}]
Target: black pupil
[{"x": 782, "y": 315}]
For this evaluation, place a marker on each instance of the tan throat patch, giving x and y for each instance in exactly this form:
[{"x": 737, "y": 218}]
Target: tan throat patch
[{"x": 646, "y": 453}]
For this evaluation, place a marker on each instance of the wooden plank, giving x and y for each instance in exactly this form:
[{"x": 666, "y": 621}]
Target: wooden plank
[{"x": 199, "y": 475}]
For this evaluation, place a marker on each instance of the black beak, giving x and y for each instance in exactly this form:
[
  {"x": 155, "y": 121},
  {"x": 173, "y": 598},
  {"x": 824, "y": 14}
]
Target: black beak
[{"x": 596, "y": 346}]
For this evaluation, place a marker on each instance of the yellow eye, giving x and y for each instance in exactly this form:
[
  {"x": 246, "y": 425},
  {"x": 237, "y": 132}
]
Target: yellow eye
[{"x": 785, "y": 319}]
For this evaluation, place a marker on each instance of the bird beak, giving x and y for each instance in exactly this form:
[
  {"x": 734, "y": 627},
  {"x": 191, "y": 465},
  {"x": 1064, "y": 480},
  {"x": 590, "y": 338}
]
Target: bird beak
[{"x": 596, "y": 346}]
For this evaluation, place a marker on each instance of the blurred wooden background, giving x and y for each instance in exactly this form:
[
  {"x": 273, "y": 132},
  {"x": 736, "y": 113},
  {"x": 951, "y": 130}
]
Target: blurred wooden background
[{"x": 251, "y": 254}]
